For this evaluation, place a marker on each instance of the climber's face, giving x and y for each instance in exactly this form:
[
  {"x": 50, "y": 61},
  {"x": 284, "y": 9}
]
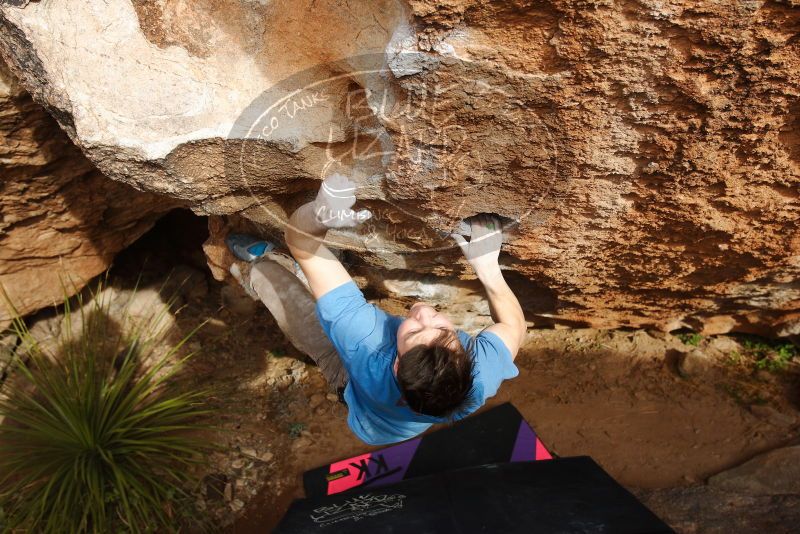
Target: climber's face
[{"x": 423, "y": 325}]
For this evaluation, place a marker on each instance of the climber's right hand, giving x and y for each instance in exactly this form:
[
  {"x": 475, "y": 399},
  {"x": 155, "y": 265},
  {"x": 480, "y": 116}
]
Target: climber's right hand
[
  {"x": 334, "y": 202},
  {"x": 482, "y": 251}
]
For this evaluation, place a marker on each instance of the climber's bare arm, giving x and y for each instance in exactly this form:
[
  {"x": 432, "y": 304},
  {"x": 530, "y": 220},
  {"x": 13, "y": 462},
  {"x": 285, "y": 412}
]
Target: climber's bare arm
[
  {"x": 305, "y": 236},
  {"x": 482, "y": 253},
  {"x": 506, "y": 311},
  {"x": 308, "y": 226}
]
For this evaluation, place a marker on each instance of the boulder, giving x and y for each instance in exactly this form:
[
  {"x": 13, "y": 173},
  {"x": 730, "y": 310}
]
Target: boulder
[
  {"x": 694, "y": 363},
  {"x": 61, "y": 220},
  {"x": 772, "y": 415},
  {"x": 8, "y": 346},
  {"x": 711, "y": 510},
  {"x": 776, "y": 472},
  {"x": 647, "y": 154}
]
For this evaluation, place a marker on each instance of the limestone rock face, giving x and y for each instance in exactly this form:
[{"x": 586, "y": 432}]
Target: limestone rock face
[
  {"x": 647, "y": 153},
  {"x": 61, "y": 221}
]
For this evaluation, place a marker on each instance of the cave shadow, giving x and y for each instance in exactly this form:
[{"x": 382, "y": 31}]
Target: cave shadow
[{"x": 233, "y": 345}]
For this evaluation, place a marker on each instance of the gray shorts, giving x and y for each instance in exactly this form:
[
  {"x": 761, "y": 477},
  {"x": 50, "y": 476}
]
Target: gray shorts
[{"x": 288, "y": 299}]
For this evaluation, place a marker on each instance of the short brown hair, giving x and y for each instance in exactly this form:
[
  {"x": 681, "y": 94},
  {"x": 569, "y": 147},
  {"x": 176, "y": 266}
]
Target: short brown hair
[{"x": 436, "y": 379}]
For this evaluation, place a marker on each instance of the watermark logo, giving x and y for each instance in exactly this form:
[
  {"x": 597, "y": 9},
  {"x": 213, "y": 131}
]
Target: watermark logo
[{"x": 427, "y": 141}]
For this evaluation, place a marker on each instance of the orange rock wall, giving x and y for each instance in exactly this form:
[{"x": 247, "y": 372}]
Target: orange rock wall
[
  {"x": 61, "y": 221},
  {"x": 650, "y": 150}
]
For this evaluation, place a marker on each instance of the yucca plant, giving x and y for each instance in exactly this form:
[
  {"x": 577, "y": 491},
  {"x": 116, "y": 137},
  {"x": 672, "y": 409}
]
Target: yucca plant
[{"x": 98, "y": 436}]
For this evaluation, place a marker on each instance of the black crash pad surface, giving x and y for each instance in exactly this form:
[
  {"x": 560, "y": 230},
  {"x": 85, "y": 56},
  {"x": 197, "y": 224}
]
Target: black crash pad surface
[{"x": 562, "y": 495}]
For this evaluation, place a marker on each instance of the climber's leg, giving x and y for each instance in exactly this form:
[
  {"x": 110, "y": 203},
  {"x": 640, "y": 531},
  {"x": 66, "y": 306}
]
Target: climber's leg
[{"x": 294, "y": 309}]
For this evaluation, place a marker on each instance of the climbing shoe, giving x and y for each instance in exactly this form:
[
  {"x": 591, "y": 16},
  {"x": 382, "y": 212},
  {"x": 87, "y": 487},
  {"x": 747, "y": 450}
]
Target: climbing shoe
[{"x": 247, "y": 247}]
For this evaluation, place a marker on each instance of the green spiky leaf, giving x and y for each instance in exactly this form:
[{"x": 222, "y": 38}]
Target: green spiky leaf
[{"x": 99, "y": 436}]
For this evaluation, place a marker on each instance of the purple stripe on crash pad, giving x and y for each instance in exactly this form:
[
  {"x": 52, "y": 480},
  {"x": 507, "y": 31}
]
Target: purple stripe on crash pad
[
  {"x": 525, "y": 444},
  {"x": 397, "y": 458}
]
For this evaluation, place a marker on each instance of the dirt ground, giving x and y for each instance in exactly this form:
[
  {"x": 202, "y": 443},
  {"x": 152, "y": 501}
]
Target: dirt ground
[
  {"x": 613, "y": 395},
  {"x": 655, "y": 410},
  {"x": 625, "y": 398}
]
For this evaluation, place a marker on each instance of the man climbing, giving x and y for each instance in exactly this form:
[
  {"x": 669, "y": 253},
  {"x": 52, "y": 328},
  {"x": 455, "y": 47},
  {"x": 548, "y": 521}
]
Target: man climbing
[{"x": 402, "y": 374}]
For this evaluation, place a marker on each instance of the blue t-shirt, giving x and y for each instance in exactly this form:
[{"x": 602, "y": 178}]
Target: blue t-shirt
[{"x": 366, "y": 338}]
